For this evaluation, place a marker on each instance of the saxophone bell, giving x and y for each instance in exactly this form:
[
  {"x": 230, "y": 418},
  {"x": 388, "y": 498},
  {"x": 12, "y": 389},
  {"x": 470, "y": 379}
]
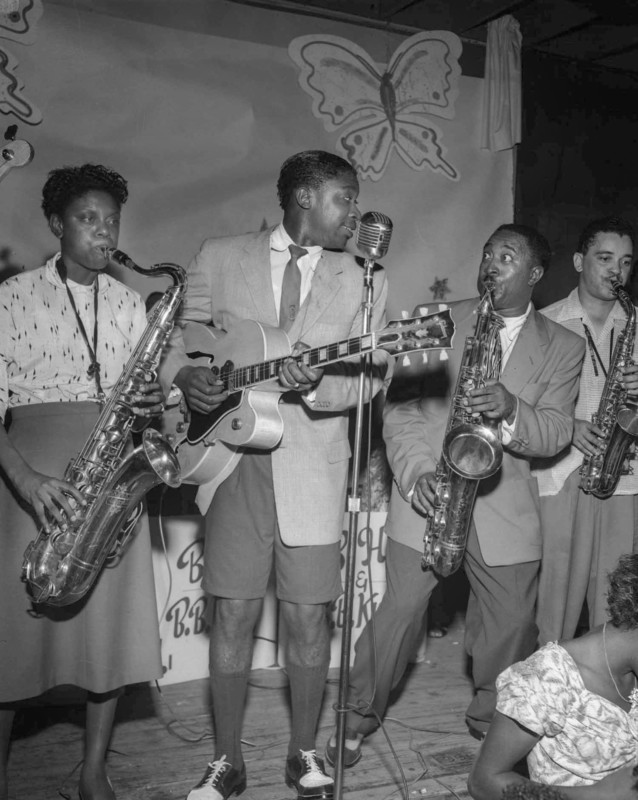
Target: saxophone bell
[{"x": 473, "y": 451}]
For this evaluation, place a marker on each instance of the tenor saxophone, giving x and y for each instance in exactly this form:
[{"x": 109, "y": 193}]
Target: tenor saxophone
[
  {"x": 61, "y": 565},
  {"x": 617, "y": 416},
  {"x": 472, "y": 448}
]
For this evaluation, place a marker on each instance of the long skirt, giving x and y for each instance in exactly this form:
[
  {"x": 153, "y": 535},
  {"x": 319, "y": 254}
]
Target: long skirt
[{"x": 107, "y": 639}]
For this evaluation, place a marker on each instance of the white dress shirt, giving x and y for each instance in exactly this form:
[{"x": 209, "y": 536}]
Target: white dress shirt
[{"x": 280, "y": 256}]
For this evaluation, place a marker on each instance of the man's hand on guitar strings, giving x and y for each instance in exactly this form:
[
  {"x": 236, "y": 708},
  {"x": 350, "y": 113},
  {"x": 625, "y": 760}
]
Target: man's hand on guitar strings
[
  {"x": 203, "y": 390},
  {"x": 295, "y": 375}
]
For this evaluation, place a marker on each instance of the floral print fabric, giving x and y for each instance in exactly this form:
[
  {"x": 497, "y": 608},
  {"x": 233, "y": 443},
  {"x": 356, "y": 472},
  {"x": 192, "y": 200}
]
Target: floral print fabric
[{"x": 584, "y": 737}]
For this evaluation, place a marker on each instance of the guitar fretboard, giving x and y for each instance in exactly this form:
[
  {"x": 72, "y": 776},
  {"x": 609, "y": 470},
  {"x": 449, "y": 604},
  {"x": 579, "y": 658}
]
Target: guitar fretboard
[{"x": 244, "y": 377}]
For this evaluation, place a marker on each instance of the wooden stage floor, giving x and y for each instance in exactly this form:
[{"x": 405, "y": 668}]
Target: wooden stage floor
[{"x": 162, "y": 740}]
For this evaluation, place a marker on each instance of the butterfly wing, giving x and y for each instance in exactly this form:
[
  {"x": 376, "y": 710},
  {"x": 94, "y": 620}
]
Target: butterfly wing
[
  {"x": 367, "y": 145},
  {"x": 425, "y": 74},
  {"x": 339, "y": 76},
  {"x": 11, "y": 100},
  {"x": 19, "y": 25},
  {"x": 418, "y": 142}
]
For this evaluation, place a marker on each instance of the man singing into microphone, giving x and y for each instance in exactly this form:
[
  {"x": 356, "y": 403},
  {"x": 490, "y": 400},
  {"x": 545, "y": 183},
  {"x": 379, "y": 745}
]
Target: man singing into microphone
[{"x": 284, "y": 507}]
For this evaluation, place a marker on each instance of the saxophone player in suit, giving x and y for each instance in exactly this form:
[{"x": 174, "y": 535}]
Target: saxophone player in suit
[
  {"x": 583, "y": 534},
  {"x": 534, "y": 400},
  {"x": 283, "y": 506}
]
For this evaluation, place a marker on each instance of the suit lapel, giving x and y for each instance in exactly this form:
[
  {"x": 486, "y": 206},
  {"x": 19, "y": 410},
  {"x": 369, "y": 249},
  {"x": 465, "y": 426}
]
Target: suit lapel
[
  {"x": 528, "y": 353},
  {"x": 254, "y": 263}
]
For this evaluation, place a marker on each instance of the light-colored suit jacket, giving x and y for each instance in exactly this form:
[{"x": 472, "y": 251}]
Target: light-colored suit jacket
[
  {"x": 542, "y": 371},
  {"x": 229, "y": 280}
]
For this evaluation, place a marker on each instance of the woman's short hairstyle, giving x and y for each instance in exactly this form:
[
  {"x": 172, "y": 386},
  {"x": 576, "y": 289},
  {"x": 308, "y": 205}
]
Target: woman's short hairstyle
[
  {"x": 622, "y": 597},
  {"x": 66, "y": 184}
]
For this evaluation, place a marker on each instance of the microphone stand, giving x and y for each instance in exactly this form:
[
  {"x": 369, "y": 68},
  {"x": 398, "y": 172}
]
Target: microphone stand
[{"x": 354, "y": 506}]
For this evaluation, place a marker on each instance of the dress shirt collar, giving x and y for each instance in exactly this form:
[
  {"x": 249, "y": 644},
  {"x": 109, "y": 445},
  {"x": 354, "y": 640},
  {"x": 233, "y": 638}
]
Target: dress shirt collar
[
  {"x": 280, "y": 241},
  {"x": 573, "y": 309}
]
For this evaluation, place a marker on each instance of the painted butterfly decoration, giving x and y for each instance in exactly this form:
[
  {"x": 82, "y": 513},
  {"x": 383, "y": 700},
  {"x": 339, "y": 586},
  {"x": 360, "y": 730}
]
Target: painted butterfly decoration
[
  {"x": 17, "y": 23},
  {"x": 382, "y": 111}
]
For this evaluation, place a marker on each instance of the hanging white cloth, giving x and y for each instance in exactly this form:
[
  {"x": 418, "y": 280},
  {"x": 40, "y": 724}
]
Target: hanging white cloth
[{"x": 501, "y": 128}]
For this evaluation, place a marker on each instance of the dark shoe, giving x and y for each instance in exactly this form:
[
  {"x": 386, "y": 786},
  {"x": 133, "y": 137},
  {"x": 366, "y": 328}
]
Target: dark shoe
[
  {"x": 305, "y": 772},
  {"x": 351, "y": 755},
  {"x": 220, "y": 781}
]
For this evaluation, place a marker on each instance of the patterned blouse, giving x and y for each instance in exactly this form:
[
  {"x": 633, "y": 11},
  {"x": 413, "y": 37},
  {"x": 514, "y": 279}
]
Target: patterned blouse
[
  {"x": 43, "y": 356},
  {"x": 584, "y": 737}
]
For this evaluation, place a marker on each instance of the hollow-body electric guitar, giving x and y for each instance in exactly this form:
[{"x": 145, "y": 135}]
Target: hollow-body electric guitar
[{"x": 247, "y": 361}]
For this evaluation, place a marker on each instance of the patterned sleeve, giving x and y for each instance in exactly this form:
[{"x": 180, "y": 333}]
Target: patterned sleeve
[
  {"x": 6, "y": 337},
  {"x": 535, "y": 693}
]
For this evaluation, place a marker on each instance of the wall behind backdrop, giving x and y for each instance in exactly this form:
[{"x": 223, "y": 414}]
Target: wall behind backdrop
[
  {"x": 577, "y": 160},
  {"x": 197, "y": 104}
]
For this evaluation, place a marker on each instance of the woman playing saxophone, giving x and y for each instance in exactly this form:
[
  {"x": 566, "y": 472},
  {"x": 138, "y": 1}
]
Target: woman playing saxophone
[{"x": 66, "y": 332}]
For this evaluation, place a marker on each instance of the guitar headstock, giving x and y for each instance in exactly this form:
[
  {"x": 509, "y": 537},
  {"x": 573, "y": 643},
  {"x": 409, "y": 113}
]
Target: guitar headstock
[
  {"x": 429, "y": 332},
  {"x": 14, "y": 153}
]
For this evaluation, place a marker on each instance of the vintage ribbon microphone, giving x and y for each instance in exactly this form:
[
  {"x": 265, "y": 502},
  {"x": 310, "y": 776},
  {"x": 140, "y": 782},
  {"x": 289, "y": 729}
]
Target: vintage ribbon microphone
[{"x": 373, "y": 239}]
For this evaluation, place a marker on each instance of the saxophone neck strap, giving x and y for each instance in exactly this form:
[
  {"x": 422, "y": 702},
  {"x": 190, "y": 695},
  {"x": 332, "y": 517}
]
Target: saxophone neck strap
[
  {"x": 94, "y": 366},
  {"x": 593, "y": 351}
]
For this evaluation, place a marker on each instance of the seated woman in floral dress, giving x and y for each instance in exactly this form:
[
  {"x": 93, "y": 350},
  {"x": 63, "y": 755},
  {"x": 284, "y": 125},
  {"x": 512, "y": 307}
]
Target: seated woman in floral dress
[{"x": 571, "y": 709}]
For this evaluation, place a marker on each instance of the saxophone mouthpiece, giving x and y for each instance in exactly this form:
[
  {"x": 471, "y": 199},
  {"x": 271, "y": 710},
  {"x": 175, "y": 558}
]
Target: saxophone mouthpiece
[{"x": 118, "y": 257}]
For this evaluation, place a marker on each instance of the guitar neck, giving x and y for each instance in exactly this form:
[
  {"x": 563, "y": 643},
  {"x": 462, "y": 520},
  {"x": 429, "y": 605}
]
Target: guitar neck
[{"x": 254, "y": 374}]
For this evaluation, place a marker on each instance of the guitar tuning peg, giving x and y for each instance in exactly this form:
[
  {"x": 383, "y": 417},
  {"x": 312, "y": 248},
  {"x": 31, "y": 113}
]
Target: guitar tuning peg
[
  {"x": 443, "y": 306},
  {"x": 423, "y": 311},
  {"x": 444, "y": 356},
  {"x": 405, "y": 315},
  {"x": 424, "y": 358},
  {"x": 405, "y": 361}
]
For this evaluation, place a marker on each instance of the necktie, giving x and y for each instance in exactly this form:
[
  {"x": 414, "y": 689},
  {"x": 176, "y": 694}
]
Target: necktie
[{"x": 291, "y": 288}]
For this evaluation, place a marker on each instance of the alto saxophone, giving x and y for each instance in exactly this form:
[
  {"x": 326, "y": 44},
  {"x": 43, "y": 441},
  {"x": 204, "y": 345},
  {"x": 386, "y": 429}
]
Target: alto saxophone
[
  {"x": 617, "y": 416},
  {"x": 472, "y": 448},
  {"x": 60, "y": 566}
]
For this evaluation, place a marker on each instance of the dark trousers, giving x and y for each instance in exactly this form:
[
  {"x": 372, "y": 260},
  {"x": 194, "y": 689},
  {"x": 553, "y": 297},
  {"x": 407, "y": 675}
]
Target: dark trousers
[{"x": 500, "y": 629}]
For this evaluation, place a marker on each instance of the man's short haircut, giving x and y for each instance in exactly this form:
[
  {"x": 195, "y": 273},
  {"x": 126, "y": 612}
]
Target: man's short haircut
[
  {"x": 604, "y": 225},
  {"x": 538, "y": 245},
  {"x": 66, "y": 184},
  {"x": 309, "y": 169}
]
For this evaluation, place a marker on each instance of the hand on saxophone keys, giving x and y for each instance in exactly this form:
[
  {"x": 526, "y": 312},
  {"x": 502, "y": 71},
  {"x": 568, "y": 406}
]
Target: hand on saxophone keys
[
  {"x": 491, "y": 400},
  {"x": 630, "y": 379},
  {"x": 424, "y": 493},
  {"x": 50, "y": 498},
  {"x": 587, "y": 437}
]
